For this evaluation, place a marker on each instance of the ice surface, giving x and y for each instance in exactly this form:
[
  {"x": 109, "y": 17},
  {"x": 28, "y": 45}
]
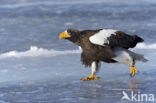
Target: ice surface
[
  {"x": 36, "y": 67},
  {"x": 57, "y": 79}
]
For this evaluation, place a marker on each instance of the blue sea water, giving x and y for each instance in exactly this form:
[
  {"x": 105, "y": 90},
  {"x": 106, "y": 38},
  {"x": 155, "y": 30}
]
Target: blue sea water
[{"x": 37, "y": 67}]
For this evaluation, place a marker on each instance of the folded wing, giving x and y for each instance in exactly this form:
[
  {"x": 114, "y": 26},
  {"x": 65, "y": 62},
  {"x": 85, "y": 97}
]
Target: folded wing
[{"x": 114, "y": 38}]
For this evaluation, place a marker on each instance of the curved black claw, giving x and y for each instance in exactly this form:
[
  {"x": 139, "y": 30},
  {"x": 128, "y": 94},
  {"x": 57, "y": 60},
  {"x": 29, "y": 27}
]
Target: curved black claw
[{"x": 131, "y": 75}]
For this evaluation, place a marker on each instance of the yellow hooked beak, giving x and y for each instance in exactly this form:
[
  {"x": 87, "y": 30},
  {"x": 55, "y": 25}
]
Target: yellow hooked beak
[{"x": 64, "y": 35}]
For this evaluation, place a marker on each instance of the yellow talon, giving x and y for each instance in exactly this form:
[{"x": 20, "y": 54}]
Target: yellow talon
[
  {"x": 133, "y": 69},
  {"x": 91, "y": 77}
]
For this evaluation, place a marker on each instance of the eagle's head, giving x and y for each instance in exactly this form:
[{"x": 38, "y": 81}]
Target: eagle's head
[{"x": 71, "y": 34}]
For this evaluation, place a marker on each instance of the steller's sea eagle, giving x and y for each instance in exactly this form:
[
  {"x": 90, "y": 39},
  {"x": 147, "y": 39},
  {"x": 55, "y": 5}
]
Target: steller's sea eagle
[{"x": 105, "y": 45}]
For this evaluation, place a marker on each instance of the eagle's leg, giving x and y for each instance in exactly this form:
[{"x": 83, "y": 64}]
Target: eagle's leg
[
  {"x": 95, "y": 67},
  {"x": 133, "y": 69}
]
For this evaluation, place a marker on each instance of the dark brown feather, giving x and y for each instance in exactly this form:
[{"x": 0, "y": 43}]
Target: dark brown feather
[
  {"x": 123, "y": 40},
  {"x": 92, "y": 52}
]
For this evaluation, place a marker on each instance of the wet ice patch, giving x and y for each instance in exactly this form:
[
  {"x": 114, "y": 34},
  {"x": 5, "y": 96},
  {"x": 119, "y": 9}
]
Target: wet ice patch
[
  {"x": 36, "y": 52},
  {"x": 59, "y": 12},
  {"x": 4, "y": 71}
]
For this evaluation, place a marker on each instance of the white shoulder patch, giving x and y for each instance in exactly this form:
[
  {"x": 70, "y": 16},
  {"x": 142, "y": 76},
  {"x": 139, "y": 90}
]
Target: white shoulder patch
[{"x": 101, "y": 37}]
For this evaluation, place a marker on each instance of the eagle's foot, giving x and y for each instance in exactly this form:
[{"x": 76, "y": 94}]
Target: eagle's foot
[
  {"x": 91, "y": 77},
  {"x": 133, "y": 69}
]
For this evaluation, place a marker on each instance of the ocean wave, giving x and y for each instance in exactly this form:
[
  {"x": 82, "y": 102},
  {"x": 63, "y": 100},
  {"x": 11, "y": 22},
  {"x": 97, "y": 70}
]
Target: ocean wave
[
  {"x": 41, "y": 52},
  {"x": 36, "y": 52}
]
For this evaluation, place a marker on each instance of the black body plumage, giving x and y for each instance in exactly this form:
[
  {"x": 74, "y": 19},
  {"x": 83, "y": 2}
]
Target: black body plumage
[{"x": 92, "y": 52}]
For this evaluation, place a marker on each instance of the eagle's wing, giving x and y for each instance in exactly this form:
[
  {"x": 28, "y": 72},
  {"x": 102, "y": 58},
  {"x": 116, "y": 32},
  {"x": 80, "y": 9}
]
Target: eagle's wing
[{"x": 114, "y": 38}]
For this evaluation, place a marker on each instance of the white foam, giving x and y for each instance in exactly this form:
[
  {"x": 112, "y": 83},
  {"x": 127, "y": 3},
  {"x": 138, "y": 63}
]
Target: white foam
[
  {"x": 145, "y": 46},
  {"x": 36, "y": 52}
]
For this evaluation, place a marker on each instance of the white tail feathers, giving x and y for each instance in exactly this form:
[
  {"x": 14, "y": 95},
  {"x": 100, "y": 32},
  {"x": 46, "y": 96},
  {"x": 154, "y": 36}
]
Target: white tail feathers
[
  {"x": 139, "y": 57},
  {"x": 127, "y": 57}
]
